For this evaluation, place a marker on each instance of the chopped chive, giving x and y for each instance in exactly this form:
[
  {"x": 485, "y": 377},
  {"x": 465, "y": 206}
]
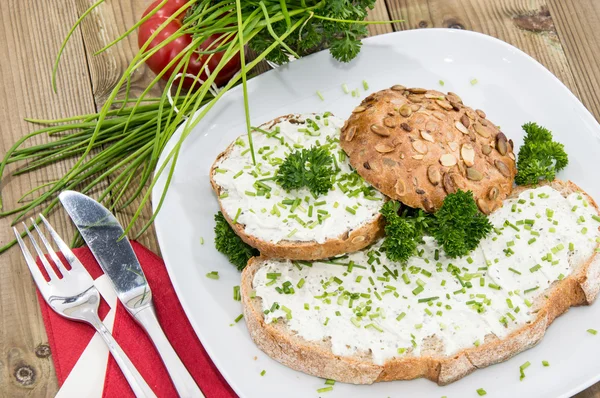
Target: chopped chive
[
  {"x": 239, "y": 211},
  {"x": 531, "y": 290},
  {"x": 329, "y": 382},
  {"x": 399, "y": 317},
  {"x": 239, "y": 318},
  {"x": 324, "y": 389},
  {"x": 223, "y": 195},
  {"x": 365, "y": 85},
  {"x": 213, "y": 275},
  {"x": 428, "y": 299},
  {"x": 345, "y": 88},
  {"x": 237, "y": 296},
  {"x": 481, "y": 392},
  {"x": 474, "y": 82},
  {"x": 320, "y": 95},
  {"x": 545, "y": 363},
  {"x": 571, "y": 246},
  {"x": 592, "y": 331},
  {"x": 350, "y": 210},
  {"x": 534, "y": 268},
  {"x": 292, "y": 233},
  {"x": 494, "y": 286},
  {"x": 417, "y": 290},
  {"x": 300, "y": 283},
  {"x": 222, "y": 171},
  {"x": 514, "y": 270},
  {"x": 595, "y": 217}
]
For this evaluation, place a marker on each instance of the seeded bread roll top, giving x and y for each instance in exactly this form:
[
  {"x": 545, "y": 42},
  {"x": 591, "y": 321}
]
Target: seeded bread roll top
[{"x": 417, "y": 145}]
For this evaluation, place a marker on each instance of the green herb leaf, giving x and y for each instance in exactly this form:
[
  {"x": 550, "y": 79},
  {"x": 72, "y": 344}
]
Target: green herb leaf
[
  {"x": 540, "y": 158},
  {"x": 310, "y": 168},
  {"x": 231, "y": 245}
]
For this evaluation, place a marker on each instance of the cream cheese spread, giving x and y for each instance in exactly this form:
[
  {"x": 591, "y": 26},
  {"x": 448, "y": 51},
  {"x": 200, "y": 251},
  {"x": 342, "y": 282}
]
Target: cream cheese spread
[
  {"x": 251, "y": 197},
  {"x": 364, "y": 302}
]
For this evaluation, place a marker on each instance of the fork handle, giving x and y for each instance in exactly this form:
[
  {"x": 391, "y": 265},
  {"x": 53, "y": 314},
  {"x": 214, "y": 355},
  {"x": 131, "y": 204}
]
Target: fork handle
[
  {"x": 137, "y": 383},
  {"x": 182, "y": 380}
]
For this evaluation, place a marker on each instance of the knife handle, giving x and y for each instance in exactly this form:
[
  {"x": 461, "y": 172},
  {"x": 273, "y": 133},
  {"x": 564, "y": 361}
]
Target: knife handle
[{"x": 184, "y": 383}]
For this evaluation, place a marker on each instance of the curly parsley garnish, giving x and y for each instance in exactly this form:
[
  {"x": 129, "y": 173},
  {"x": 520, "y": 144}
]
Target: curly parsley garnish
[
  {"x": 404, "y": 231},
  {"x": 540, "y": 158},
  {"x": 231, "y": 245},
  {"x": 310, "y": 168},
  {"x": 457, "y": 226}
]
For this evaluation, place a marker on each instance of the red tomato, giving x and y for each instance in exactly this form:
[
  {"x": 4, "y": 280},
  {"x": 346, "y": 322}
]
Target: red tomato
[{"x": 159, "y": 60}]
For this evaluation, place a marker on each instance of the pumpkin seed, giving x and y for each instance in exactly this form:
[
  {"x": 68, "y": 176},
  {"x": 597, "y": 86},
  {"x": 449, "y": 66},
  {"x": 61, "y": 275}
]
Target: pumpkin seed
[
  {"x": 439, "y": 115},
  {"x": 418, "y": 157},
  {"x": 420, "y": 147},
  {"x": 379, "y": 130},
  {"x": 358, "y": 239},
  {"x": 427, "y": 205},
  {"x": 406, "y": 127},
  {"x": 444, "y": 104},
  {"x": 405, "y": 110},
  {"x": 486, "y": 149},
  {"x": 448, "y": 160},
  {"x": 359, "y": 109},
  {"x": 455, "y": 96},
  {"x": 434, "y": 96},
  {"x": 455, "y": 105},
  {"x": 502, "y": 168},
  {"x": 512, "y": 156},
  {"x": 474, "y": 174},
  {"x": 383, "y": 148},
  {"x": 479, "y": 129},
  {"x": 453, "y": 146},
  {"x": 464, "y": 119},
  {"x": 461, "y": 127},
  {"x": 415, "y": 107},
  {"x": 398, "y": 87},
  {"x": 415, "y": 98},
  {"x": 483, "y": 206},
  {"x": 501, "y": 144},
  {"x": 417, "y": 90},
  {"x": 389, "y": 122},
  {"x": 426, "y": 136},
  {"x": 483, "y": 122},
  {"x": 468, "y": 154},
  {"x": 433, "y": 174},
  {"x": 470, "y": 114},
  {"x": 493, "y": 193},
  {"x": 350, "y": 133},
  {"x": 448, "y": 182},
  {"x": 400, "y": 188},
  {"x": 481, "y": 113}
]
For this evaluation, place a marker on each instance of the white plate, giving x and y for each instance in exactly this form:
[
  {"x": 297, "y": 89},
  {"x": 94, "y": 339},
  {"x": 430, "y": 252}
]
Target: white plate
[{"x": 511, "y": 87}]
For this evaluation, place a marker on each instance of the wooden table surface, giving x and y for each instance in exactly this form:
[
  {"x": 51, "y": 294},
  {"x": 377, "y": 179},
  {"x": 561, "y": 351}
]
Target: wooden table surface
[{"x": 562, "y": 34}]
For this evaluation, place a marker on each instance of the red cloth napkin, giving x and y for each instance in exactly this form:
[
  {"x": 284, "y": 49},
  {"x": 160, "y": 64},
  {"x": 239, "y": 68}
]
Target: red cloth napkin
[{"x": 133, "y": 340}]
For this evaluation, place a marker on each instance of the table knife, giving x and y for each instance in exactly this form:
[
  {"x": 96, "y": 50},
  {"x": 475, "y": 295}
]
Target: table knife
[{"x": 104, "y": 237}]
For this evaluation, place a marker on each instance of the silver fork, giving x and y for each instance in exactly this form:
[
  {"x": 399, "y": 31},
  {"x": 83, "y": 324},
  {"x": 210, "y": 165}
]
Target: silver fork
[{"x": 75, "y": 296}]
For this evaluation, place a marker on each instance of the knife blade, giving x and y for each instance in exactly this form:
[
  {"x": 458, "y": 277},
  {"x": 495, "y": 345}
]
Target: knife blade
[{"x": 104, "y": 236}]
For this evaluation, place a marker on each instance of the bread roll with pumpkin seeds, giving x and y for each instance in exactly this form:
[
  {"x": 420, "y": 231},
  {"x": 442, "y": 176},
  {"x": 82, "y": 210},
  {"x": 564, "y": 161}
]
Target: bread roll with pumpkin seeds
[{"x": 417, "y": 145}]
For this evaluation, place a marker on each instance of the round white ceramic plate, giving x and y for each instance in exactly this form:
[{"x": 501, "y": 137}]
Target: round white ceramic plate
[{"x": 489, "y": 74}]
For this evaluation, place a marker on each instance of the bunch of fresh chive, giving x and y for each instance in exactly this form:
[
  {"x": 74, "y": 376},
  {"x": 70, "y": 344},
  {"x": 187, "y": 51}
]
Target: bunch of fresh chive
[{"x": 123, "y": 145}]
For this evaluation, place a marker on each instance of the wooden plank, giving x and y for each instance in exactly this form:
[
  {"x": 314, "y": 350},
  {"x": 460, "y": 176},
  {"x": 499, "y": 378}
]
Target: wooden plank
[
  {"x": 525, "y": 24},
  {"x": 577, "y": 23},
  {"x": 379, "y": 13},
  {"x": 30, "y": 41}
]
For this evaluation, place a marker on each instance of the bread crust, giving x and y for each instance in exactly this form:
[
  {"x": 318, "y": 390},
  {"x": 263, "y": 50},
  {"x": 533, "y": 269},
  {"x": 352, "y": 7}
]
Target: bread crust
[
  {"x": 579, "y": 288},
  {"x": 348, "y": 242},
  {"x": 417, "y": 145}
]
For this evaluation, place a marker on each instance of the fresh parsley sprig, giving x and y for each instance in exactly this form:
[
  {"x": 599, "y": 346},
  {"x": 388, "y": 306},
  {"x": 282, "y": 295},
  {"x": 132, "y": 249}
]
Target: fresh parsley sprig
[
  {"x": 540, "y": 158},
  {"x": 310, "y": 168},
  {"x": 457, "y": 226},
  {"x": 231, "y": 245}
]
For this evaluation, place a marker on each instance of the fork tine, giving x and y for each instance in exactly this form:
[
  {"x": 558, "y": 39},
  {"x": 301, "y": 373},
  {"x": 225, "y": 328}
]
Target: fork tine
[
  {"x": 37, "y": 275},
  {"x": 59, "y": 264},
  {"x": 62, "y": 246},
  {"x": 41, "y": 255}
]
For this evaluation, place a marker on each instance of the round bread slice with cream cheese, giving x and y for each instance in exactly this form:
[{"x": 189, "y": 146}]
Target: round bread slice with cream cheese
[
  {"x": 295, "y": 224},
  {"x": 363, "y": 319},
  {"x": 417, "y": 145}
]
